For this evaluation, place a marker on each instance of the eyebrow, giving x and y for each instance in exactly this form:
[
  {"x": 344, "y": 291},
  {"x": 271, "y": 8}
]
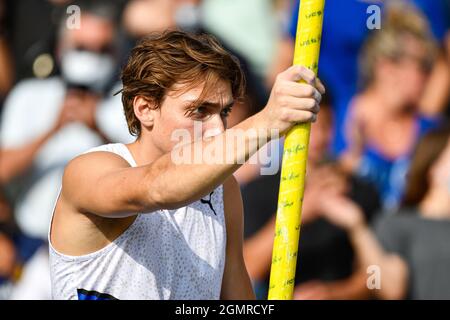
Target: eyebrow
[{"x": 213, "y": 104}]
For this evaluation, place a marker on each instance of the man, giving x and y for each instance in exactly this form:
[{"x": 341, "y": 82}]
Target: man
[
  {"x": 132, "y": 223},
  {"x": 47, "y": 122}
]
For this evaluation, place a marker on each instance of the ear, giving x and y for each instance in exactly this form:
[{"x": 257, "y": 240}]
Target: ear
[{"x": 145, "y": 111}]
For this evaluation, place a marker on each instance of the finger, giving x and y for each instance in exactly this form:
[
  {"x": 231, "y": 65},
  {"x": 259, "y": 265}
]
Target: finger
[
  {"x": 297, "y": 73},
  {"x": 319, "y": 85},
  {"x": 306, "y": 104},
  {"x": 290, "y": 74},
  {"x": 299, "y": 116},
  {"x": 307, "y": 75},
  {"x": 300, "y": 90}
]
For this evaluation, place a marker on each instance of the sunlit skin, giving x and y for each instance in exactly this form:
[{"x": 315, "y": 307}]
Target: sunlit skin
[
  {"x": 92, "y": 210},
  {"x": 324, "y": 184},
  {"x": 395, "y": 269},
  {"x": 179, "y": 111},
  {"x": 403, "y": 81},
  {"x": 384, "y": 114}
]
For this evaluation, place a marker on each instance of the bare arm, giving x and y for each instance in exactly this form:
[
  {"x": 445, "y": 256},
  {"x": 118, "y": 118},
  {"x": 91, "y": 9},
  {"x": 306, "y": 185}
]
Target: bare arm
[
  {"x": 258, "y": 251},
  {"x": 368, "y": 251},
  {"x": 394, "y": 270},
  {"x": 105, "y": 185},
  {"x": 354, "y": 288},
  {"x": 436, "y": 95},
  {"x": 14, "y": 162},
  {"x": 236, "y": 283},
  {"x": 258, "y": 247}
]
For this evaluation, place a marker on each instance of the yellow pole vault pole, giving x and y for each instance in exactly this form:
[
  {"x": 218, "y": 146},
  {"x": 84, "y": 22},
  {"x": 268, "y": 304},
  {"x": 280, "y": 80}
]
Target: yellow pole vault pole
[{"x": 292, "y": 184}]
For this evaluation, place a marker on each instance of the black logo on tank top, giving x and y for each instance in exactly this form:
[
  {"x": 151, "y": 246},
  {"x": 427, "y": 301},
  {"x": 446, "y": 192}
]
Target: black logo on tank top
[{"x": 209, "y": 202}]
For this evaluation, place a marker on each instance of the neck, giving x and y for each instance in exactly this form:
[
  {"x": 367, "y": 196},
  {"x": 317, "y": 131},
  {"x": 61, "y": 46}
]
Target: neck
[
  {"x": 436, "y": 204},
  {"x": 144, "y": 151}
]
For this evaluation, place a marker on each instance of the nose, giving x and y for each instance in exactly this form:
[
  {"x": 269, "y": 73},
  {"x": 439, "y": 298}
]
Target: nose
[{"x": 214, "y": 126}]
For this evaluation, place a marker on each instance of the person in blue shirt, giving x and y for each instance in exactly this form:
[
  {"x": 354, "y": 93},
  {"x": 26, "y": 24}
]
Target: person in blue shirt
[
  {"x": 384, "y": 123},
  {"x": 345, "y": 29}
]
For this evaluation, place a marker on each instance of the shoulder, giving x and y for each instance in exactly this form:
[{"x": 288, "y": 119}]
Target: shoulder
[
  {"x": 95, "y": 160},
  {"x": 88, "y": 166},
  {"x": 36, "y": 88},
  {"x": 398, "y": 225}
]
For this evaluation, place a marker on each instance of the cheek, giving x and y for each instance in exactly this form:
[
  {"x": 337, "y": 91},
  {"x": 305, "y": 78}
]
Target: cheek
[
  {"x": 413, "y": 81},
  {"x": 174, "y": 125},
  {"x": 168, "y": 121}
]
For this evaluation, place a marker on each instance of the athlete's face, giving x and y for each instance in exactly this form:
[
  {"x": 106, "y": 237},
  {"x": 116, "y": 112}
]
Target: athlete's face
[{"x": 181, "y": 112}]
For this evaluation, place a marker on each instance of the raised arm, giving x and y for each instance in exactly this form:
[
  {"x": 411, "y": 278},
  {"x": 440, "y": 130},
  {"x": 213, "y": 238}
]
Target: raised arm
[
  {"x": 15, "y": 161},
  {"x": 106, "y": 185},
  {"x": 368, "y": 250}
]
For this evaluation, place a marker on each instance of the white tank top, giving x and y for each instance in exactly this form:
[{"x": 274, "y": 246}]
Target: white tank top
[{"x": 165, "y": 254}]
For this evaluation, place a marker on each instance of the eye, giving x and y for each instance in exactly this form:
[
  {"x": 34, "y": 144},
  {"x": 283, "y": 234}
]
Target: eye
[
  {"x": 199, "y": 113},
  {"x": 226, "y": 112},
  {"x": 200, "y": 110}
]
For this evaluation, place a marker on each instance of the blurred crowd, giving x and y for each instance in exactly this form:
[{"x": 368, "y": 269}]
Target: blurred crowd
[{"x": 376, "y": 212}]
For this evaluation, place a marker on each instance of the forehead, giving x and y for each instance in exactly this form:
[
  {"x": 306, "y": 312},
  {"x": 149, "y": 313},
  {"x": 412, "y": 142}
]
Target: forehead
[{"x": 219, "y": 93}]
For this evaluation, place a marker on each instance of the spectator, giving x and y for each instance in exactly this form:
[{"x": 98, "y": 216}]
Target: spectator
[
  {"x": 411, "y": 247},
  {"x": 325, "y": 267},
  {"x": 34, "y": 282},
  {"x": 17, "y": 250},
  {"x": 249, "y": 27},
  {"x": 6, "y": 76},
  {"x": 142, "y": 17},
  {"x": 341, "y": 43},
  {"x": 32, "y": 37},
  {"x": 46, "y": 122},
  {"x": 384, "y": 123},
  {"x": 8, "y": 266}
]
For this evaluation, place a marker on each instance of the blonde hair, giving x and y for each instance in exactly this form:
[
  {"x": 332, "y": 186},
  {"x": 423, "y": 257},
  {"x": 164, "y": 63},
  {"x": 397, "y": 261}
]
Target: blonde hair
[{"x": 400, "y": 20}]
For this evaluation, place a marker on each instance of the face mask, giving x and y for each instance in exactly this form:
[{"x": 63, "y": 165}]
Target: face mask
[
  {"x": 188, "y": 17},
  {"x": 85, "y": 68}
]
